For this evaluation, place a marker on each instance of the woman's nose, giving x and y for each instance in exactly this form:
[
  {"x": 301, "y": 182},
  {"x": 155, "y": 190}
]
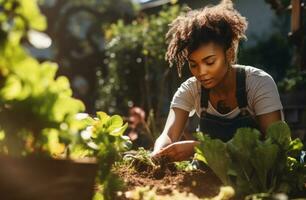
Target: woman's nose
[{"x": 202, "y": 70}]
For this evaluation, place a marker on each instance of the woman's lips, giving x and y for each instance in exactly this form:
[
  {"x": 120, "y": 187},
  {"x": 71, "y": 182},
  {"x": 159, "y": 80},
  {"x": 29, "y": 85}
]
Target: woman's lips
[{"x": 206, "y": 81}]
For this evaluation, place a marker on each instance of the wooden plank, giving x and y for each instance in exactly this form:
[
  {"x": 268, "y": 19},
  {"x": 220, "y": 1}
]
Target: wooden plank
[{"x": 296, "y": 15}]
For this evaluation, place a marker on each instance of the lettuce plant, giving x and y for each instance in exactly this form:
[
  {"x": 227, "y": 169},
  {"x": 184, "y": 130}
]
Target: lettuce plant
[{"x": 251, "y": 165}]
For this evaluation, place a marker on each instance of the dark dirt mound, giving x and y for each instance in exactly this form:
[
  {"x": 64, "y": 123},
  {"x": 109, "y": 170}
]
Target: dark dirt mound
[{"x": 202, "y": 183}]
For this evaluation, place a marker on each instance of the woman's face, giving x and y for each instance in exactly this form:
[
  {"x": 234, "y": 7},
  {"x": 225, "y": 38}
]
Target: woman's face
[{"x": 208, "y": 64}]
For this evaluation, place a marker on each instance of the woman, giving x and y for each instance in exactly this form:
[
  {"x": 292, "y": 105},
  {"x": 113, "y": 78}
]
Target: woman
[{"x": 225, "y": 95}]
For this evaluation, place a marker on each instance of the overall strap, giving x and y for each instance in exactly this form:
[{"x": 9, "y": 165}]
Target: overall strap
[
  {"x": 241, "y": 94},
  {"x": 204, "y": 97}
]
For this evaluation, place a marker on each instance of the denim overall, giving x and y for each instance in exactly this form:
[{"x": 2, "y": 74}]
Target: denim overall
[{"x": 223, "y": 128}]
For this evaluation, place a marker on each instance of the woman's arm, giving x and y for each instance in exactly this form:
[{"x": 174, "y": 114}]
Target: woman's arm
[
  {"x": 174, "y": 127},
  {"x": 178, "y": 151},
  {"x": 266, "y": 120},
  {"x": 167, "y": 145}
]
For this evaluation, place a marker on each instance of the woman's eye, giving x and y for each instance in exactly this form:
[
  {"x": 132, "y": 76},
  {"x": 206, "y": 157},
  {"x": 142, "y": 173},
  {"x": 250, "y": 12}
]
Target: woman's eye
[
  {"x": 192, "y": 65},
  {"x": 210, "y": 63}
]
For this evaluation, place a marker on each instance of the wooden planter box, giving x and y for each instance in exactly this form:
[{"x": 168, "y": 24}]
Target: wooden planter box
[
  {"x": 294, "y": 104},
  {"x": 46, "y": 179}
]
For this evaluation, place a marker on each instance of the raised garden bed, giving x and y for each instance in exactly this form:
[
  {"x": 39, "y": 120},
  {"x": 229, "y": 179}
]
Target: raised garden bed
[{"x": 35, "y": 178}]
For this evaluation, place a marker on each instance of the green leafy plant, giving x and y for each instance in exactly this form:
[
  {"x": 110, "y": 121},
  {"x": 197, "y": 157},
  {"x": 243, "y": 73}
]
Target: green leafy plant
[
  {"x": 103, "y": 139},
  {"x": 141, "y": 161},
  {"x": 37, "y": 112},
  {"x": 75, "y": 26},
  {"x": 185, "y": 165},
  {"x": 140, "y": 158},
  {"x": 251, "y": 165},
  {"x": 137, "y": 49},
  {"x": 294, "y": 80}
]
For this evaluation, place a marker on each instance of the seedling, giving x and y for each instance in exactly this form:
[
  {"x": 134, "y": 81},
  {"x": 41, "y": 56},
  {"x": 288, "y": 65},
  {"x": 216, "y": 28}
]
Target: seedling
[{"x": 142, "y": 161}]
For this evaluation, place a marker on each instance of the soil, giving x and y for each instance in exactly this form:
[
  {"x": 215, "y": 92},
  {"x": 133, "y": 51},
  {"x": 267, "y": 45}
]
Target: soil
[{"x": 202, "y": 183}]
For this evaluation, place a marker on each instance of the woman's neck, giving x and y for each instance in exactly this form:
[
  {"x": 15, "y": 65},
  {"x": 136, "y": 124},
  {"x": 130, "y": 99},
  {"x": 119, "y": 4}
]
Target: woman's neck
[{"x": 227, "y": 84}]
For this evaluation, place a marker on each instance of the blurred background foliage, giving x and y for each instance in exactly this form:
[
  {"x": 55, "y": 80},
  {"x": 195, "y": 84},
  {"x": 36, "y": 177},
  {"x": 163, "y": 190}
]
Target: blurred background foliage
[
  {"x": 38, "y": 115},
  {"x": 76, "y": 29},
  {"x": 37, "y": 111},
  {"x": 138, "y": 73},
  {"x": 112, "y": 51},
  {"x": 271, "y": 53}
]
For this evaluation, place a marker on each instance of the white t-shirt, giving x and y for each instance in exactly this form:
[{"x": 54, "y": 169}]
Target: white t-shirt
[{"x": 262, "y": 95}]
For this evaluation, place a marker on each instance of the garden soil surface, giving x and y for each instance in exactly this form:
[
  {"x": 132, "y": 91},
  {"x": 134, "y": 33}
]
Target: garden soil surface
[{"x": 202, "y": 183}]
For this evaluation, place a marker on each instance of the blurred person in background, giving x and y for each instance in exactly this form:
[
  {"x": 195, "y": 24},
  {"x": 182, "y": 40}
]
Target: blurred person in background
[{"x": 138, "y": 130}]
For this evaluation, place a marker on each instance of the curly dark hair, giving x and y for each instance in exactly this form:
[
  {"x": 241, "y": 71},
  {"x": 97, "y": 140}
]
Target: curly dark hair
[{"x": 221, "y": 24}]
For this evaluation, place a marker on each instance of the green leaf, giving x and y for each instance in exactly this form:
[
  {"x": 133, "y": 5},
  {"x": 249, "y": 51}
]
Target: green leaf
[
  {"x": 119, "y": 131},
  {"x": 2, "y": 135},
  {"x": 98, "y": 196},
  {"x": 103, "y": 117},
  {"x": 240, "y": 149},
  {"x": 199, "y": 136},
  {"x": 66, "y": 106},
  {"x": 199, "y": 156},
  {"x": 54, "y": 146},
  {"x": 295, "y": 147},
  {"x": 114, "y": 122},
  {"x": 263, "y": 160},
  {"x": 31, "y": 11},
  {"x": 12, "y": 88},
  {"x": 215, "y": 153},
  {"x": 279, "y": 132}
]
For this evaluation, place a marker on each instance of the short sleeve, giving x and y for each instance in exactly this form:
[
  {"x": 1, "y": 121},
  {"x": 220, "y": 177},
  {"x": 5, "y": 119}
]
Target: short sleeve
[
  {"x": 265, "y": 95},
  {"x": 184, "y": 97}
]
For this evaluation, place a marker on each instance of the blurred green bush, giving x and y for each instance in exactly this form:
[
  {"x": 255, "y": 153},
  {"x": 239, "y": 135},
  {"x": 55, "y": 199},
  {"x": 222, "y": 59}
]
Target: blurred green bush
[
  {"x": 137, "y": 71},
  {"x": 37, "y": 112}
]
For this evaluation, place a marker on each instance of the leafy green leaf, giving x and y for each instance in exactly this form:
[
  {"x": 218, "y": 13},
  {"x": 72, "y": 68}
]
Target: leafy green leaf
[
  {"x": 215, "y": 153},
  {"x": 103, "y": 117},
  {"x": 263, "y": 160},
  {"x": 119, "y": 131},
  {"x": 114, "y": 122},
  {"x": 12, "y": 88},
  {"x": 240, "y": 149},
  {"x": 295, "y": 147},
  {"x": 279, "y": 132}
]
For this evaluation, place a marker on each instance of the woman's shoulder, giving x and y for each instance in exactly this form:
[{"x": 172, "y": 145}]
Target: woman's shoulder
[
  {"x": 262, "y": 92},
  {"x": 191, "y": 80},
  {"x": 253, "y": 72},
  {"x": 258, "y": 81},
  {"x": 191, "y": 87},
  {"x": 190, "y": 83}
]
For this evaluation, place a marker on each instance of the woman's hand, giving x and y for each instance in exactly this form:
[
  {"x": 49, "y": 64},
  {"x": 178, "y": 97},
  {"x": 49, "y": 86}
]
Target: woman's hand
[{"x": 177, "y": 151}]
